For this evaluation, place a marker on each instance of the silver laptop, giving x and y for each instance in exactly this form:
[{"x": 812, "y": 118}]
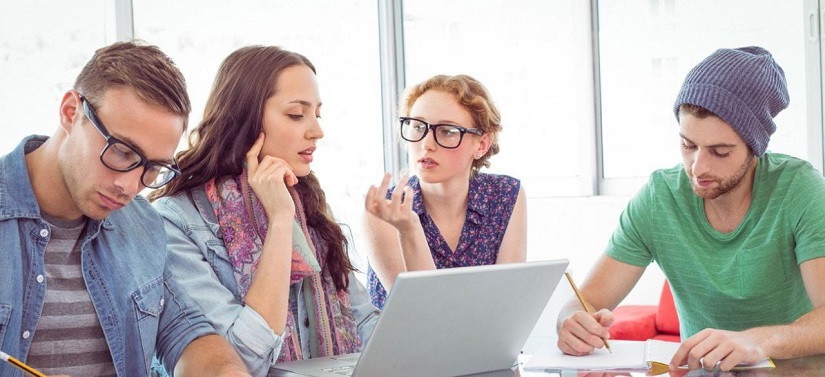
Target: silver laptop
[{"x": 449, "y": 322}]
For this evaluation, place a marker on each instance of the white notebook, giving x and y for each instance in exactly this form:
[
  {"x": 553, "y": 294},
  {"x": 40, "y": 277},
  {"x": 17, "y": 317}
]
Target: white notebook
[{"x": 627, "y": 355}]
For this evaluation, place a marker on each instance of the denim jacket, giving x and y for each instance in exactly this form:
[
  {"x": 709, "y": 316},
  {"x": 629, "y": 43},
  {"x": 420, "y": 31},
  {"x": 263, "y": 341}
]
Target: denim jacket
[
  {"x": 123, "y": 267},
  {"x": 199, "y": 261}
]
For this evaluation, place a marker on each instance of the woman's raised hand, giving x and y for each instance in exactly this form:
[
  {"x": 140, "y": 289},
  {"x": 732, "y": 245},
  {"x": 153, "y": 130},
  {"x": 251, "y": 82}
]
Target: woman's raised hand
[{"x": 398, "y": 209}]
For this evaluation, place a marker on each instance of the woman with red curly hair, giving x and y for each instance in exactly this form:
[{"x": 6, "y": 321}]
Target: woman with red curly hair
[{"x": 448, "y": 214}]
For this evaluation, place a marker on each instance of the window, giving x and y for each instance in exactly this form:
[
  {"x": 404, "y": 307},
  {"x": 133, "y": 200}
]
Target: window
[
  {"x": 534, "y": 60},
  {"x": 646, "y": 50},
  {"x": 39, "y": 64}
]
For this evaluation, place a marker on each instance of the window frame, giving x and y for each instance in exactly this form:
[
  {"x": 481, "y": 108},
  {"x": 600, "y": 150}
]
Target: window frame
[{"x": 591, "y": 180}]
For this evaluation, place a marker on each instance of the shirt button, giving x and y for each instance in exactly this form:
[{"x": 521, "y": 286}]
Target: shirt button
[
  {"x": 162, "y": 302},
  {"x": 44, "y": 233},
  {"x": 39, "y": 278},
  {"x": 306, "y": 322},
  {"x": 26, "y": 334}
]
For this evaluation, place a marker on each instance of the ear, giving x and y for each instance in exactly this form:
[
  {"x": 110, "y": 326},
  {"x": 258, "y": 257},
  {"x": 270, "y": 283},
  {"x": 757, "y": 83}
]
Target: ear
[
  {"x": 484, "y": 143},
  {"x": 70, "y": 110}
]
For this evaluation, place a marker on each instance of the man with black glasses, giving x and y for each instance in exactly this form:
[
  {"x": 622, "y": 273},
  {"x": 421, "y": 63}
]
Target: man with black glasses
[{"x": 84, "y": 291}]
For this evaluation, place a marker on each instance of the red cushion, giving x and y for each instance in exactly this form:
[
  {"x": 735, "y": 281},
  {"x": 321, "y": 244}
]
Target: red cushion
[
  {"x": 667, "y": 321},
  {"x": 633, "y": 322}
]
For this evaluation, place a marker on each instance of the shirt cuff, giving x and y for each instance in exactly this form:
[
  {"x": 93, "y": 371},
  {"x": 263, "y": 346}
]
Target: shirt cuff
[{"x": 251, "y": 329}]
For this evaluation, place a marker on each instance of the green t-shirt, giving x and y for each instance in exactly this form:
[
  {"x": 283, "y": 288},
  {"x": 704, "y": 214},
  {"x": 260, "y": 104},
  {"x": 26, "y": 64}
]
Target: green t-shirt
[{"x": 747, "y": 278}]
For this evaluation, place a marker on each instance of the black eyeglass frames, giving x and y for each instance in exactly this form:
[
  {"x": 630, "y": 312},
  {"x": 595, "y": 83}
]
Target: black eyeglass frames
[
  {"x": 446, "y": 135},
  {"x": 122, "y": 157}
]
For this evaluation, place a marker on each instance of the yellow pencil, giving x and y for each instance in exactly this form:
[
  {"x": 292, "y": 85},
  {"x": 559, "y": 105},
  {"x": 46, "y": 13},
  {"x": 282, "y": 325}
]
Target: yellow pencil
[
  {"x": 20, "y": 365},
  {"x": 584, "y": 304}
]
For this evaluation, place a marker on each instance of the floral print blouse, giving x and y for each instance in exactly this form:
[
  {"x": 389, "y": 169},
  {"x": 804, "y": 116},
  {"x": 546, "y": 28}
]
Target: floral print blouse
[{"x": 489, "y": 207}]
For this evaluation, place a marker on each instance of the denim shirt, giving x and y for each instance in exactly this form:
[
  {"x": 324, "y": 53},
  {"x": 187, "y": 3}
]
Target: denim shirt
[
  {"x": 199, "y": 261},
  {"x": 122, "y": 261}
]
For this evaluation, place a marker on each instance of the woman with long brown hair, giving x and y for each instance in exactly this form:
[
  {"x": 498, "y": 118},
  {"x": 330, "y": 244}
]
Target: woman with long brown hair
[{"x": 250, "y": 236}]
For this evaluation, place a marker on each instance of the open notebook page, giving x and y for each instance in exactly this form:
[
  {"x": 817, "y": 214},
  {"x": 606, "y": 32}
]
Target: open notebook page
[{"x": 627, "y": 355}]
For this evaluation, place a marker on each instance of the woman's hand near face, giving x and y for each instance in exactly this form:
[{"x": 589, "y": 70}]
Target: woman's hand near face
[
  {"x": 269, "y": 179},
  {"x": 397, "y": 210},
  {"x": 268, "y": 294}
]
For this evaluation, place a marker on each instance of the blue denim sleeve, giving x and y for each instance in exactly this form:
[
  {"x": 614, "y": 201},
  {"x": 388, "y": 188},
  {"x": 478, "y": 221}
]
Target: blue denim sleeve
[
  {"x": 192, "y": 246},
  {"x": 179, "y": 325}
]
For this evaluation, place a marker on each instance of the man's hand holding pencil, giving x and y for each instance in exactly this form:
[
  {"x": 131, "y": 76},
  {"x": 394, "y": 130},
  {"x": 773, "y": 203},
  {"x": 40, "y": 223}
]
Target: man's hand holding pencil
[{"x": 583, "y": 329}]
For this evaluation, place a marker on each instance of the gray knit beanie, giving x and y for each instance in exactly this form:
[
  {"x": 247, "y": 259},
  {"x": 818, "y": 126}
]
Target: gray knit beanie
[{"x": 743, "y": 86}]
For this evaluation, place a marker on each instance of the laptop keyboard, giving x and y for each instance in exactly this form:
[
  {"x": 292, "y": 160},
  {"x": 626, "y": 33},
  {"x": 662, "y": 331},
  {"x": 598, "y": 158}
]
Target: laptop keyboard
[{"x": 344, "y": 370}]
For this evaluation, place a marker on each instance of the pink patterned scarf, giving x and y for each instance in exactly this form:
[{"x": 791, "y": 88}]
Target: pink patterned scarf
[{"x": 243, "y": 224}]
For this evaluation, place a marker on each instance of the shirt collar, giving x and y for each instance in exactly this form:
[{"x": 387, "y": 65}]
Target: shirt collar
[
  {"x": 17, "y": 198},
  {"x": 477, "y": 207},
  {"x": 16, "y": 194}
]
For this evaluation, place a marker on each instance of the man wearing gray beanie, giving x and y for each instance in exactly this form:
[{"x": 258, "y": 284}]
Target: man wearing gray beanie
[{"x": 738, "y": 231}]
